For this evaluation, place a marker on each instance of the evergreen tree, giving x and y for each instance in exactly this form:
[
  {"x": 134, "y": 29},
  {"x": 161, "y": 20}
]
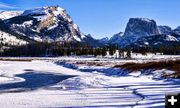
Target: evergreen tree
[{"x": 129, "y": 54}]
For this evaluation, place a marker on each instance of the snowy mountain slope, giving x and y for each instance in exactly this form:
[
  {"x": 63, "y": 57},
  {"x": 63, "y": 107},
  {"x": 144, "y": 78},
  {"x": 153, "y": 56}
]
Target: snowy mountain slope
[
  {"x": 8, "y": 39},
  {"x": 9, "y": 14},
  {"x": 46, "y": 23},
  {"x": 156, "y": 41}
]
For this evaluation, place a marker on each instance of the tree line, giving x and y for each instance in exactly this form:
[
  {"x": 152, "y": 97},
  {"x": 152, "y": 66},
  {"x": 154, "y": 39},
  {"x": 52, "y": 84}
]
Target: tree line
[
  {"x": 58, "y": 49},
  {"x": 67, "y": 49}
]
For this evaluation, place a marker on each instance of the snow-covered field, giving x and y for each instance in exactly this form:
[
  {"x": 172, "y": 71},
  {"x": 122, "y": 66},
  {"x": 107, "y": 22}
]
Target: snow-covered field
[{"x": 53, "y": 83}]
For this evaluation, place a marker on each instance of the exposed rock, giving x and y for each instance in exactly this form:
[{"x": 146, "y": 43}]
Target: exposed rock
[{"x": 140, "y": 27}]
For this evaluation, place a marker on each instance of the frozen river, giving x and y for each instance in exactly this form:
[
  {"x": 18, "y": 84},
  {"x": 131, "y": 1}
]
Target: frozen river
[{"x": 43, "y": 83}]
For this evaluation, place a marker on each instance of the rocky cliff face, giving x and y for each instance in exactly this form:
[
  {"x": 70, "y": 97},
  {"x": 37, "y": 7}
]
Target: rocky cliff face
[
  {"x": 46, "y": 23},
  {"x": 138, "y": 27}
]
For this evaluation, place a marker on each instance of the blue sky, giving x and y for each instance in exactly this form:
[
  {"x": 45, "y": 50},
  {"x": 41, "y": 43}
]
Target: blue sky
[{"x": 103, "y": 18}]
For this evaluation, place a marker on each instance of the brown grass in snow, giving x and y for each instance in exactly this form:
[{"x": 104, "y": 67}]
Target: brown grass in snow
[{"x": 173, "y": 65}]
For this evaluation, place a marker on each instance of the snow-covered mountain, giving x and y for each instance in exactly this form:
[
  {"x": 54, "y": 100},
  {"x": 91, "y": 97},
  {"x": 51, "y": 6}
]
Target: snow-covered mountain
[
  {"x": 46, "y": 23},
  {"x": 54, "y": 24},
  {"x": 145, "y": 32},
  {"x": 136, "y": 28},
  {"x": 51, "y": 24}
]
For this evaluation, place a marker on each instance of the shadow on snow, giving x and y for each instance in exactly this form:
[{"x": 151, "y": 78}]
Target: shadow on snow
[{"x": 33, "y": 81}]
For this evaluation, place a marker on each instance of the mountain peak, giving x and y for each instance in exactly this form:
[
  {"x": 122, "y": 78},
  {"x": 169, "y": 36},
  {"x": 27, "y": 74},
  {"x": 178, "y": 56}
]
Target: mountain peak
[
  {"x": 51, "y": 23},
  {"x": 138, "y": 27}
]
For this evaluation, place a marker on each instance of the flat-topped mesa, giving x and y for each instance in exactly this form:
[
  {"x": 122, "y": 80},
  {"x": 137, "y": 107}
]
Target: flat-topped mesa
[{"x": 138, "y": 27}]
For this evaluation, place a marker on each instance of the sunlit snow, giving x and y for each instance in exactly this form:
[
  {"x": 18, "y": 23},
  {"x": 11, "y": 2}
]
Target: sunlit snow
[{"x": 53, "y": 83}]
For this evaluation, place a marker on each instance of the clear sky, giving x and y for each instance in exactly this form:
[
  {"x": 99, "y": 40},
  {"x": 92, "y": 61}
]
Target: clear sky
[{"x": 103, "y": 18}]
